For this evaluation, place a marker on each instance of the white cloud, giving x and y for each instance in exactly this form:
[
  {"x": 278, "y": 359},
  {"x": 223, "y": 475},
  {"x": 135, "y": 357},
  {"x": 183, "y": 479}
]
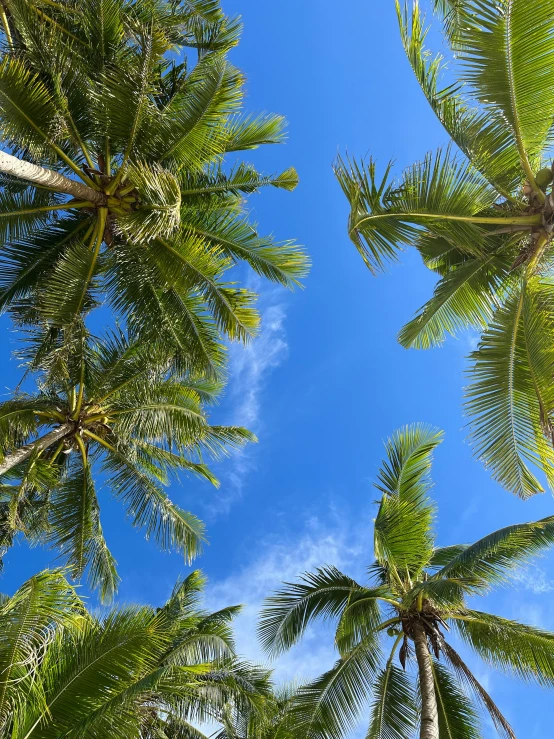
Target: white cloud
[
  {"x": 281, "y": 561},
  {"x": 534, "y": 579},
  {"x": 249, "y": 368}
]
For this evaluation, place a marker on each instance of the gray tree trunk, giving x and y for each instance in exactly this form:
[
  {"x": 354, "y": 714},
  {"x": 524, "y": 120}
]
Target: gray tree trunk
[
  {"x": 54, "y": 180},
  {"x": 24, "y": 452},
  {"x": 429, "y": 716}
]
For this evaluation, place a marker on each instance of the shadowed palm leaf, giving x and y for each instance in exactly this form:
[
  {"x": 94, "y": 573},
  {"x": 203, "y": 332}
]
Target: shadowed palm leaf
[{"x": 113, "y": 407}]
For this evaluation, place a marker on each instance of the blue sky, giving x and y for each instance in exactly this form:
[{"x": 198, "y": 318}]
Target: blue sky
[{"x": 326, "y": 382}]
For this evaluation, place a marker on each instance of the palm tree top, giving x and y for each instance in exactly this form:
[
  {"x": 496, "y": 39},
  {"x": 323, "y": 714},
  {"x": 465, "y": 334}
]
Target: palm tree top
[
  {"x": 481, "y": 214},
  {"x": 394, "y": 633},
  {"x": 114, "y": 406},
  {"x": 115, "y": 183},
  {"x": 134, "y": 671}
]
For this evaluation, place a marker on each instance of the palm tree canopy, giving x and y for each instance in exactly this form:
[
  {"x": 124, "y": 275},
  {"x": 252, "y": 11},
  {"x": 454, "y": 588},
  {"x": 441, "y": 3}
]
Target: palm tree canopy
[
  {"x": 134, "y": 672},
  {"x": 139, "y": 103},
  {"x": 119, "y": 413},
  {"x": 481, "y": 214},
  {"x": 415, "y": 586}
]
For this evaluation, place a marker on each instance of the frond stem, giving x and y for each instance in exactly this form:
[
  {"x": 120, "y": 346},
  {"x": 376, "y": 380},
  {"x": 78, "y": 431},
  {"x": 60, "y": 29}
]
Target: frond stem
[
  {"x": 55, "y": 23},
  {"x": 47, "y": 208},
  {"x": 484, "y": 220},
  {"x": 6, "y": 25},
  {"x": 386, "y": 624},
  {"x": 51, "y": 415},
  {"x": 524, "y": 159},
  {"x": 98, "y": 238},
  {"x": 87, "y": 432}
]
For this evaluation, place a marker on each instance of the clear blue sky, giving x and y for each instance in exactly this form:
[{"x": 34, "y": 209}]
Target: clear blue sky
[{"x": 326, "y": 382}]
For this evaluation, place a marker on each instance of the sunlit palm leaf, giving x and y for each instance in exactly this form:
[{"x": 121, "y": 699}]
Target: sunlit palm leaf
[{"x": 510, "y": 399}]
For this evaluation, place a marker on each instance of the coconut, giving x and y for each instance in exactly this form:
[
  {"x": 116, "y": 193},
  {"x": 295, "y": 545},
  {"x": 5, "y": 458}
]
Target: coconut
[{"x": 544, "y": 177}]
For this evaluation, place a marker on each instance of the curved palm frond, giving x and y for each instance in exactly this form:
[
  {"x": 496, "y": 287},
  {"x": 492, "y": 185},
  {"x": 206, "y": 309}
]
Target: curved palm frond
[
  {"x": 324, "y": 593},
  {"x": 510, "y": 398}
]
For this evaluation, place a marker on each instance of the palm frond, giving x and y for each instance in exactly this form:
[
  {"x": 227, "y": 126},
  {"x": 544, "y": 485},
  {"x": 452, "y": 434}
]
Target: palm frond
[
  {"x": 251, "y": 131},
  {"x": 466, "y": 677},
  {"x": 494, "y": 36},
  {"x": 43, "y": 601},
  {"x": 465, "y": 298},
  {"x": 329, "y": 706},
  {"x": 518, "y": 649},
  {"x": 443, "y": 195},
  {"x": 510, "y": 397},
  {"x": 393, "y": 711},
  {"x": 495, "y": 557},
  {"x": 148, "y": 506},
  {"x": 77, "y": 533},
  {"x": 482, "y": 136},
  {"x": 324, "y": 593},
  {"x": 457, "y": 717},
  {"x": 403, "y": 526}
]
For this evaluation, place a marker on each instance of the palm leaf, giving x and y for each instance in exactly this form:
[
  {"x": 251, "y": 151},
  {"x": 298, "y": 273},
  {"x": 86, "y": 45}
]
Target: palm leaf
[
  {"x": 517, "y": 649},
  {"x": 466, "y": 677},
  {"x": 286, "y": 614},
  {"x": 149, "y": 506},
  {"x": 457, "y": 717},
  {"x": 43, "y": 600},
  {"x": 402, "y": 537},
  {"x": 393, "y": 712},
  {"x": 497, "y": 37},
  {"x": 482, "y": 136},
  {"x": 510, "y": 398},
  {"x": 464, "y": 298},
  {"x": 329, "y": 706},
  {"x": 440, "y": 194},
  {"x": 493, "y": 558},
  {"x": 76, "y": 531}
]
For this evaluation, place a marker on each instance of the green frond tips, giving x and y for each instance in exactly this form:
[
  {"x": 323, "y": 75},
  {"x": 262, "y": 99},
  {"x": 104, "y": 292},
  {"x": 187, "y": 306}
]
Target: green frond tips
[
  {"x": 402, "y": 538},
  {"x": 127, "y": 671},
  {"x": 442, "y": 196}
]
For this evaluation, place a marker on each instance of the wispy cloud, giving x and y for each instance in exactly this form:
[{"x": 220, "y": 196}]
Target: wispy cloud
[
  {"x": 283, "y": 561},
  {"x": 534, "y": 579},
  {"x": 249, "y": 370}
]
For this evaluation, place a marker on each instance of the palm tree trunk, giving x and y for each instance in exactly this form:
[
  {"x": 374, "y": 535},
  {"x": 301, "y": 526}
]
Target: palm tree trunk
[
  {"x": 24, "y": 452},
  {"x": 48, "y": 178},
  {"x": 429, "y": 715}
]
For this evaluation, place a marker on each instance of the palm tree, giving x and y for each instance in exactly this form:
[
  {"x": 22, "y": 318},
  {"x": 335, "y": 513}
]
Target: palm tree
[
  {"x": 106, "y": 406},
  {"x": 114, "y": 183},
  {"x": 482, "y": 220},
  {"x": 134, "y": 672},
  {"x": 271, "y": 720},
  {"x": 418, "y": 594}
]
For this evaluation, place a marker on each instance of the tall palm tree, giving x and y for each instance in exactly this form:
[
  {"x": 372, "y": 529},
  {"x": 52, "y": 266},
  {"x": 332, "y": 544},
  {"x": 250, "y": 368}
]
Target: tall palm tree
[
  {"x": 106, "y": 406},
  {"x": 402, "y": 619},
  {"x": 135, "y": 672},
  {"x": 481, "y": 219},
  {"x": 114, "y": 180}
]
